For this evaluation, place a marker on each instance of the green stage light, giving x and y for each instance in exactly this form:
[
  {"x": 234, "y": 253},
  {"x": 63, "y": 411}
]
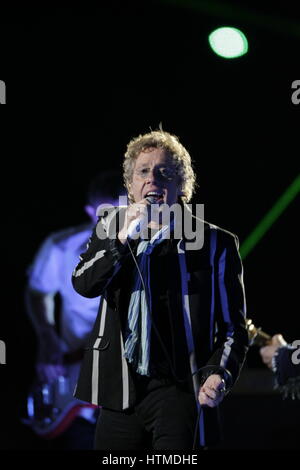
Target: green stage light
[
  {"x": 228, "y": 42},
  {"x": 270, "y": 218}
]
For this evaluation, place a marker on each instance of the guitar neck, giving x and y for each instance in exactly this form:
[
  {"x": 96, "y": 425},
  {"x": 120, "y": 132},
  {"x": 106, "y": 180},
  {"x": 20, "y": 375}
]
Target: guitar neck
[
  {"x": 261, "y": 339},
  {"x": 257, "y": 337}
]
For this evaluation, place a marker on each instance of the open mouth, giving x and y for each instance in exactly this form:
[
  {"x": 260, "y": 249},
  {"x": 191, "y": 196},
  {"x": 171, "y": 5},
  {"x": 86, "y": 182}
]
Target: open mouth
[{"x": 155, "y": 195}]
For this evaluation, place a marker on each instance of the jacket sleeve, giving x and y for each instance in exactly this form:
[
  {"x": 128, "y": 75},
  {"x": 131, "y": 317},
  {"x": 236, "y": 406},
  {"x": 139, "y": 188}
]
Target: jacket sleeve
[
  {"x": 99, "y": 264},
  {"x": 231, "y": 342}
]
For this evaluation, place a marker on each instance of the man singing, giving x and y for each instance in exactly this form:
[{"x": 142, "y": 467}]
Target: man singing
[{"x": 170, "y": 339}]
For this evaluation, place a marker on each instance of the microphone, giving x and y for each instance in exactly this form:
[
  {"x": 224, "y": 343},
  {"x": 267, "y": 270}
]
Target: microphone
[
  {"x": 137, "y": 225},
  {"x": 151, "y": 199}
]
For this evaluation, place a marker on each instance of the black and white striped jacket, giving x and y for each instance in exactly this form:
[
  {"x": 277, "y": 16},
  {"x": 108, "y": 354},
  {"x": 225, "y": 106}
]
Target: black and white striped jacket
[{"x": 212, "y": 300}]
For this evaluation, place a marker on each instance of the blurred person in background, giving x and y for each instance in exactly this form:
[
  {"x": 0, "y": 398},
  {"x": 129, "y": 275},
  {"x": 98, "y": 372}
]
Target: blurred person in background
[
  {"x": 62, "y": 320},
  {"x": 284, "y": 360}
]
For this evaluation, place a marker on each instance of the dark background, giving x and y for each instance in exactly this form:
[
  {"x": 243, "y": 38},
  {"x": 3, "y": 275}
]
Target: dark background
[{"x": 81, "y": 82}]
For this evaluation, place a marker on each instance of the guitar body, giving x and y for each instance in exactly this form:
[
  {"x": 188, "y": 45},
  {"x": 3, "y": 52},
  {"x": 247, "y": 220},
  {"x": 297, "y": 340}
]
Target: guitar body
[{"x": 51, "y": 407}]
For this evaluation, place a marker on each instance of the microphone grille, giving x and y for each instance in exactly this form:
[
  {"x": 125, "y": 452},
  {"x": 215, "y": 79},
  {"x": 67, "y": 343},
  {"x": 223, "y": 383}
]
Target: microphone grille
[{"x": 151, "y": 199}]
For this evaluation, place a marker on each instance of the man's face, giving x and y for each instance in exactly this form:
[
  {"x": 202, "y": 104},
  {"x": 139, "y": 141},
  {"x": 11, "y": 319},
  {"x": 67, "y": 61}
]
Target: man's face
[{"x": 155, "y": 173}]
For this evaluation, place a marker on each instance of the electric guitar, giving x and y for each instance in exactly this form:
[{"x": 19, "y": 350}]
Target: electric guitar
[{"x": 51, "y": 407}]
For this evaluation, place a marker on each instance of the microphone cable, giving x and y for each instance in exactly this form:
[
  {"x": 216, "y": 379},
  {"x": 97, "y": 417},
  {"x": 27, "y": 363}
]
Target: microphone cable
[
  {"x": 201, "y": 369},
  {"x": 165, "y": 349},
  {"x": 152, "y": 320}
]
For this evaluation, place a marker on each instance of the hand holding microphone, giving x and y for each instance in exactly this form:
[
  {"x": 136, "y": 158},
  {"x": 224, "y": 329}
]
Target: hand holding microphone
[{"x": 136, "y": 218}]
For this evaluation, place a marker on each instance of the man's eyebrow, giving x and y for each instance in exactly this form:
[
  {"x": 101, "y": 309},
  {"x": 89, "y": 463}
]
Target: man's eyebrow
[{"x": 159, "y": 165}]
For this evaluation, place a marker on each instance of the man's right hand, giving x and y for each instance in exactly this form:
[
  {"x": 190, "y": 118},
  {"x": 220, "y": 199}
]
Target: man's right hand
[{"x": 135, "y": 212}]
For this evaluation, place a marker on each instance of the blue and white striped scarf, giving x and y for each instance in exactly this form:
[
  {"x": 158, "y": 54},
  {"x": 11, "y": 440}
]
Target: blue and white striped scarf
[{"x": 137, "y": 344}]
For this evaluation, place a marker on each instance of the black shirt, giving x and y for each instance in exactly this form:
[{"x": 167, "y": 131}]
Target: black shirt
[{"x": 168, "y": 347}]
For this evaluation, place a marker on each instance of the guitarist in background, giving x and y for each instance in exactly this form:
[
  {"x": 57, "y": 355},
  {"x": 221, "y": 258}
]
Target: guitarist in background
[
  {"x": 284, "y": 360},
  {"x": 60, "y": 341}
]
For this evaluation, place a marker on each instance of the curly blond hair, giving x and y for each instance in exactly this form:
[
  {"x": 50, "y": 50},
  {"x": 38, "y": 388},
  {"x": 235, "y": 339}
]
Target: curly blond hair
[{"x": 179, "y": 155}]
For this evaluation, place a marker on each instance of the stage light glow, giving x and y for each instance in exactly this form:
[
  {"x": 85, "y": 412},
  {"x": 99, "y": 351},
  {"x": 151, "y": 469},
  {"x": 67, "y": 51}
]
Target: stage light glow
[
  {"x": 228, "y": 42},
  {"x": 270, "y": 218}
]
